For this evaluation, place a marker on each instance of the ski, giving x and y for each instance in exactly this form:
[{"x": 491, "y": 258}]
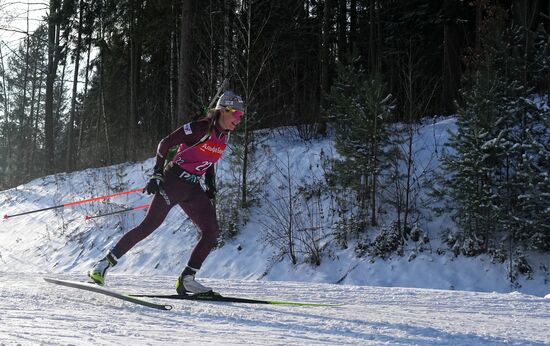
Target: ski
[
  {"x": 217, "y": 297},
  {"x": 98, "y": 289}
]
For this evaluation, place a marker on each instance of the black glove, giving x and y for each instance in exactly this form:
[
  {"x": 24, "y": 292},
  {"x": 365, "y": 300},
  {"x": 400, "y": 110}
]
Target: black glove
[
  {"x": 155, "y": 184},
  {"x": 210, "y": 182}
]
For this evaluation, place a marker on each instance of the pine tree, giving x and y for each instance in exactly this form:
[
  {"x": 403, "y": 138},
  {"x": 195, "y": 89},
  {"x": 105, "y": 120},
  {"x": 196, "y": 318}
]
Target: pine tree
[
  {"x": 523, "y": 138},
  {"x": 530, "y": 152},
  {"x": 26, "y": 106},
  {"x": 499, "y": 162},
  {"x": 361, "y": 108},
  {"x": 473, "y": 163}
]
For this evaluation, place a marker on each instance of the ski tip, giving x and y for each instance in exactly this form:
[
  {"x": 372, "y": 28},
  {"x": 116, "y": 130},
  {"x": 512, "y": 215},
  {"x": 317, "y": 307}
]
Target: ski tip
[
  {"x": 86, "y": 218},
  {"x": 6, "y": 216},
  {"x": 51, "y": 280}
]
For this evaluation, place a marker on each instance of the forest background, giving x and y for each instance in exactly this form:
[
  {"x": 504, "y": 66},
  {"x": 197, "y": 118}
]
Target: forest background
[{"x": 101, "y": 82}]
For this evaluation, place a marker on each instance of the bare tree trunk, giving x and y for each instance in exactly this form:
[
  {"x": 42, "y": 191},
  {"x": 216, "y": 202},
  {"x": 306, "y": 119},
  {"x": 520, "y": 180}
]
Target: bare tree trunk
[
  {"x": 379, "y": 40},
  {"x": 81, "y": 119},
  {"x": 374, "y": 180},
  {"x": 4, "y": 86},
  {"x": 525, "y": 13},
  {"x": 290, "y": 232},
  {"x": 353, "y": 27},
  {"x": 29, "y": 150},
  {"x": 372, "y": 36},
  {"x": 173, "y": 71},
  {"x": 451, "y": 58},
  {"x": 135, "y": 56},
  {"x": 325, "y": 49},
  {"x": 244, "y": 182},
  {"x": 409, "y": 163},
  {"x": 249, "y": 83},
  {"x": 213, "y": 52},
  {"x": 50, "y": 79},
  {"x": 226, "y": 40},
  {"x": 102, "y": 101},
  {"x": 69, "y": 158},
  {"x": 104, "y": 114},
  {"x": 59, "y": 99},
  {"x": 185, "y": 68},
  {"x": 374, "y": 163},
  {"x": 6, "y": 140},
  {"x": 24, "y": 137},
  {"x": 398, "y": 195},
  {"x": 411, "y": 101},
  {"x": 35, "y": 131},
  {"x": 479, "y": 17},
  {"x": 342, "y": 31},
  {"x": 25, "y": 75},
  {"x": 418, "y": 96}
]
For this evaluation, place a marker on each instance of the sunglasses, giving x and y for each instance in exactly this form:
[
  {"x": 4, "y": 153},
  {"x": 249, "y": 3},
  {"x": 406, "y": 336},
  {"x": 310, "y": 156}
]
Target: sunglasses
[{"x": 236, "y": 113}]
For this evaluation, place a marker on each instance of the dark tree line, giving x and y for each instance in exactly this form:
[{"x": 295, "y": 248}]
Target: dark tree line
[{"x": 101, "y": 81}]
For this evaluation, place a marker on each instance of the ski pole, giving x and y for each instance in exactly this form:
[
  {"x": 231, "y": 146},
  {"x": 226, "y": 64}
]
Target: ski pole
[
  {"x": 6, "y": 216},
  {"x": 145, "y": 206}
]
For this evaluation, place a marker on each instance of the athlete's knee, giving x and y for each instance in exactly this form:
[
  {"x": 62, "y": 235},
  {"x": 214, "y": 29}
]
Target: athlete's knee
[{"x": 152, "y": 223}]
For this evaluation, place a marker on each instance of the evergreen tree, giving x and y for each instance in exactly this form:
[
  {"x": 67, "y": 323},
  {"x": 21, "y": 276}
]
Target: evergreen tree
[
  {"x": 474, "y": 162},
  {"x": 26, "y": 107},
  {"x": 499, "y": 161},
  {"x": 522, "y": 138},
  {"x": 528, "y": 185},
  {"x": 361, "y": 107}
]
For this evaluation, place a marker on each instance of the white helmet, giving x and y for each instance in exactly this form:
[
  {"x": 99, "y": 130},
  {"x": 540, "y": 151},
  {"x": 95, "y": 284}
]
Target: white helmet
[{"x": 230, "y": 99}]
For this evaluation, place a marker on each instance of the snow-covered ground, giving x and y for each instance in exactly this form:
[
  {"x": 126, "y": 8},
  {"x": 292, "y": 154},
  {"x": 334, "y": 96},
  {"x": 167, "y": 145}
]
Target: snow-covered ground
[
  {"x": 434, "y": 298},
  {"x": 34, "y": 312}
]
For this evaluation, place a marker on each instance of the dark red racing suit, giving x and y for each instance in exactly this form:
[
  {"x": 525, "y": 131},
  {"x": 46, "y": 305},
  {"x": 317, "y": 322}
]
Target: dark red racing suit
[{"x": 197, "y": 153}]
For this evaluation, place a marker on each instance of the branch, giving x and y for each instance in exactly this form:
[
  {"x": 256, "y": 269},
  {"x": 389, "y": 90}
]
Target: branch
[{"x": 15, "y": 30}]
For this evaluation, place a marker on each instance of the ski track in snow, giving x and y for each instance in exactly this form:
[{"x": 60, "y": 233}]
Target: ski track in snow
[{"x": 35, "y": 312}]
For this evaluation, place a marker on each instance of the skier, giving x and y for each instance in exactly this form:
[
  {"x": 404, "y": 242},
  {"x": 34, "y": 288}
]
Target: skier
[{"x": 201, "y": 143}]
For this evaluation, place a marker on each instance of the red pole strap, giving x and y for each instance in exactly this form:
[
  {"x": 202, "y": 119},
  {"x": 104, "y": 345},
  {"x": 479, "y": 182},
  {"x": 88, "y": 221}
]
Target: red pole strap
[
  {"x": 87, "y": 217},
  {"x": 102, "y": 197},
  {"x": 75, "y": 203}
]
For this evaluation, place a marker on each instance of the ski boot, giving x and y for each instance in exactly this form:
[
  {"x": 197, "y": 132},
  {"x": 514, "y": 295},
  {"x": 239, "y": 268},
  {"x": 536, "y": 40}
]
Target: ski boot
[
  {"x": 186, "y": 285},
  {"x": 98, "y": 272}
]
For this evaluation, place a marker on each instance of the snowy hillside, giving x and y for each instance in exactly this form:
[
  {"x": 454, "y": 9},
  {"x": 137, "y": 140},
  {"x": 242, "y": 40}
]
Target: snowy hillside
[
  {"x": 401, "y": 300},
  {"x": 62, "y": 241}
]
